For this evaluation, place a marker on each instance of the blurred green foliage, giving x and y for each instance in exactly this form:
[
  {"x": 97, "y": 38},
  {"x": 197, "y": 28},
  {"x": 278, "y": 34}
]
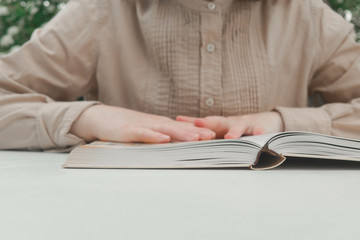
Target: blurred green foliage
[
  {"x": 19, "y": 18},
  {"x": 350, "y": 10}
]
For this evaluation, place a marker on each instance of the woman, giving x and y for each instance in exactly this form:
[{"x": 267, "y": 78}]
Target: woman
[{"x": 181, "y": 70}]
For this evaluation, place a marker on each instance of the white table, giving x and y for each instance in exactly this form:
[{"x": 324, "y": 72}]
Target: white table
[{"x": 41, "y": 200}]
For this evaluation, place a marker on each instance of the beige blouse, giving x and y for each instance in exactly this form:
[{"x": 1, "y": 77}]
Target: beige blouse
[{"x": 190, "y": 57}]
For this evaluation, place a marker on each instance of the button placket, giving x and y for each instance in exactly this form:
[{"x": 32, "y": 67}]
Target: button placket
[{"x": 211, "y": 62}]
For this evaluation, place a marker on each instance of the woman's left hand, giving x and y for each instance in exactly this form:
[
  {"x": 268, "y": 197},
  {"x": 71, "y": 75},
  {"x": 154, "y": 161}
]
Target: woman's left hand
[{"x": 237, "y": 126}]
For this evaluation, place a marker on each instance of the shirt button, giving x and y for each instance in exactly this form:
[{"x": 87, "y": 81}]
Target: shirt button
[
  {"x": 210, "y": 47},
  {"x": 211, "y": 6},
  {"x": 210, "y": 102}
]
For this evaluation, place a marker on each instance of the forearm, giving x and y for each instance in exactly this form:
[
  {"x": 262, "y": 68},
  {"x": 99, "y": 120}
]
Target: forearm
[
  {"x": 338, "y": 119},
  {"x": 31, "y": 121}
]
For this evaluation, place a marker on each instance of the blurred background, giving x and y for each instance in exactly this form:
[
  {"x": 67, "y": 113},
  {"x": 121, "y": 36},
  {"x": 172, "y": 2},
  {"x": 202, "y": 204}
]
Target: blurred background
[{"x": 19, "y": 18}]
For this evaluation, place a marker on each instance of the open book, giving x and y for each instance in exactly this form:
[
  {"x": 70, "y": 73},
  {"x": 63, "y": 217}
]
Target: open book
[{"x": 256, "y": 152}]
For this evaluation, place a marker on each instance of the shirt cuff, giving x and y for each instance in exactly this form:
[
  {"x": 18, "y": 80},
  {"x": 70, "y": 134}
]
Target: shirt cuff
[
  {"x": 305, "y": 119},
  {"x": 53, "y": 123}
]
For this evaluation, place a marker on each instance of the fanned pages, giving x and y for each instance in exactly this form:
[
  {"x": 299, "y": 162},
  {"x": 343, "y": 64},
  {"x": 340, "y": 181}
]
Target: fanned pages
[{"x": 255, "y": 152}]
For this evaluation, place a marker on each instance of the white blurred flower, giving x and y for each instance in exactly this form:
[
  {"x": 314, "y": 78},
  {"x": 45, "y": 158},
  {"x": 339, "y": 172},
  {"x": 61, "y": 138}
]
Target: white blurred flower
[
  {"x": 6, "y": 41},
  {"x": 46, "y": 3},
  {"x": 14, "y": 48},
  {"x": 4, "y": 11},
  {"x": 13, "y": 30},
  {"x": 348, "y": 15}
]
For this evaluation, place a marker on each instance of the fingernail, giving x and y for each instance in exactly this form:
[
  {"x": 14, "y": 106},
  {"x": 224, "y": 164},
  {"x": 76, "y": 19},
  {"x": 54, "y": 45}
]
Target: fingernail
[
  {"x": 164, "y": 138},
  {"x": 192, "y": 137},
  {"x": 207, "y": 136},
  {"x": 229, "y": 136}
]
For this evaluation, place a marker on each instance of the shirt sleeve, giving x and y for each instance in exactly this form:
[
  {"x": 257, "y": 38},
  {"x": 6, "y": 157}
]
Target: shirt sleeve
[
  {"x": 336, "y": 79},
  {"x": 39, "y": 83}
]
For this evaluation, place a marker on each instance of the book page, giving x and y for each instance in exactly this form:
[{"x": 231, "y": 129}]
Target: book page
[
  {"x": 213, "y": 153},
  {"x": 260, "y": 139},
  {"x": 305, "y": 144}
]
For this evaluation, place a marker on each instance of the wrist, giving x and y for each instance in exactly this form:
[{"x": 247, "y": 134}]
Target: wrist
[
  {"x": 83, "y": 126},
  {"x": 280, "y": 121}
]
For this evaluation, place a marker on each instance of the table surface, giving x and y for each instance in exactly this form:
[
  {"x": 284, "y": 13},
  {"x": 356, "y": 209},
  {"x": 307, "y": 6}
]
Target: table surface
[{"x": 299, "y": 200}]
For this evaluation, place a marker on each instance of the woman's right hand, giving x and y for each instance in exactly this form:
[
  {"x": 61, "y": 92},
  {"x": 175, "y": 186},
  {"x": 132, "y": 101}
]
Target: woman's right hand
[{"x": 108, "y": 123}]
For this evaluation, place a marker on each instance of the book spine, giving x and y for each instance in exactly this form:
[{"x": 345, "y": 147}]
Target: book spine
[{"x": 267, "y": 159}]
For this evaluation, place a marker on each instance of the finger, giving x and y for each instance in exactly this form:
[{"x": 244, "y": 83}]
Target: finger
[
  {"x": 213, "y": 122},
  {"x": 219, "y": 125},
  {"x": 181, "y": 131},
  {"x": 236, "y": 131},
  {"x": 186, "y": 119},
  {"x": 139, "y": 134},
  {"x": 206, "y": 134},
  {"x": 258, "y": 130},
  {"x": 177, "y": 131}
]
